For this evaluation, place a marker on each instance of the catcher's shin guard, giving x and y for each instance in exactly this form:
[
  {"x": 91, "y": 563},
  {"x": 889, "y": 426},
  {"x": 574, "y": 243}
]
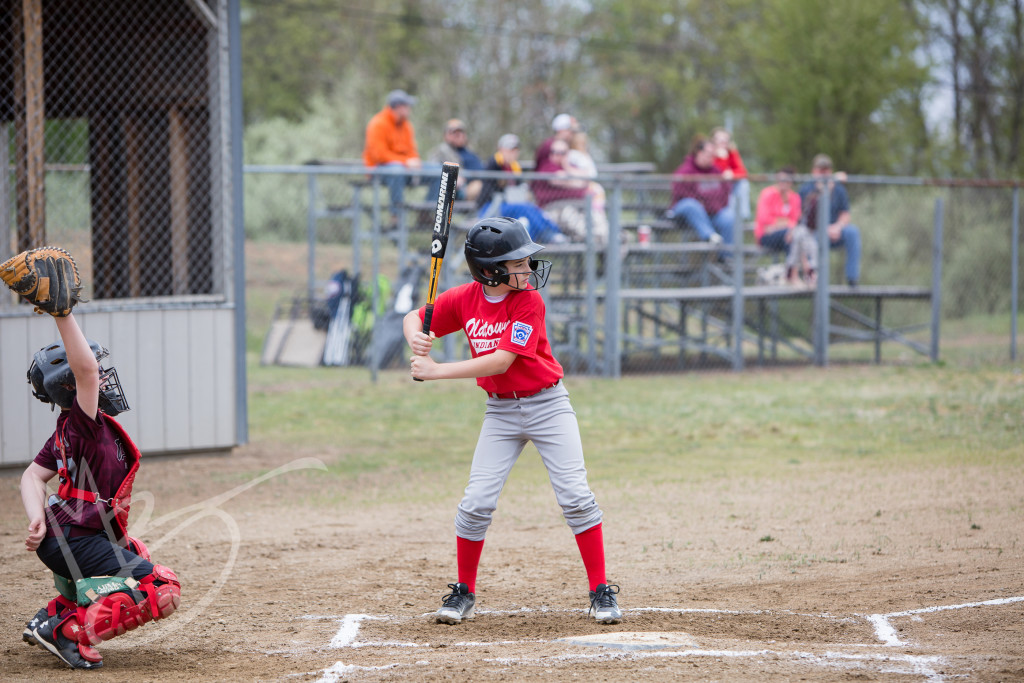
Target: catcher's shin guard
[{"x": 155, "y": 596}]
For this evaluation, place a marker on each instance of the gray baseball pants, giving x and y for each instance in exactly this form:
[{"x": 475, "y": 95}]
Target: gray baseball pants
[{"x": 548, "y": 420}]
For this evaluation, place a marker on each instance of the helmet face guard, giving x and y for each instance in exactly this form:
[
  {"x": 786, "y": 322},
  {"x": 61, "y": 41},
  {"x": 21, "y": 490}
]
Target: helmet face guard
[
  {"x": 537, "y": 276},
  {"x": 493, "y": 241},
  {"x": 53, "y": 381},
  {"x": 112, "y": 398}
]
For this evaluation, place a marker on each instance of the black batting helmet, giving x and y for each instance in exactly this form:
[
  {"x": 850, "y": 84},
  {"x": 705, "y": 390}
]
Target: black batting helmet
[
  {"x": 53, "y": 381},
  {"x": 492, "y": 241}
]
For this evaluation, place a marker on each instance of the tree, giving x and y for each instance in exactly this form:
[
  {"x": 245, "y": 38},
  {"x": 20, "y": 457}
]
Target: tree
[
  {"x": 285, "y": 51},
  {"x": 656, "y": 75},
  {"x": 980, "y": 48},
  {"x": 790, "y": 77},
  {"x": 831, "y": 77}
]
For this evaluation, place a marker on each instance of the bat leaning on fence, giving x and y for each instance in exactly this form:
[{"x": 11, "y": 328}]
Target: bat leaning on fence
[{"x": 439, "y": 238}]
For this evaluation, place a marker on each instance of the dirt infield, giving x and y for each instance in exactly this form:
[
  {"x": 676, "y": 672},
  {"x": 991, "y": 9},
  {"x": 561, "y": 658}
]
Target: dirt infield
[{"x": 901, "y": 577}]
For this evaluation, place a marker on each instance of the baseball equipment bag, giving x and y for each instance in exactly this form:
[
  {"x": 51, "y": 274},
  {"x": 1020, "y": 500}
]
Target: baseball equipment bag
[{"x": 46, "y": 277}]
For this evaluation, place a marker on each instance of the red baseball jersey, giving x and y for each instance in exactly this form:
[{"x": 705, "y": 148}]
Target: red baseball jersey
[{"x": 515, "y": 323}]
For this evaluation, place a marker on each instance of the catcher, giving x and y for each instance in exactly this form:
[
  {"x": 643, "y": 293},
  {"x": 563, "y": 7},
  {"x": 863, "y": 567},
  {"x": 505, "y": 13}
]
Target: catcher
[{"x": 106, "y": 582}]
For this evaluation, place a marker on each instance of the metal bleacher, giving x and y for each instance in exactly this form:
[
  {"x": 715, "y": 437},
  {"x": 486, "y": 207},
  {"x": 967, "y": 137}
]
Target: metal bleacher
[{"x": 670, "y": 303}]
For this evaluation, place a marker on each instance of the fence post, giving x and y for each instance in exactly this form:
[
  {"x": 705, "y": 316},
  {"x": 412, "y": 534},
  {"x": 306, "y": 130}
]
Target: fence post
[
  {"x": 821, "y": 297},
  {"x": 590, "y": 277},
  {"x": 936, "y": 281},
  {"x": 374, "y": 346},
  {"x": 234, "y": 40},
  {"x": 357, "y": 234},
  {"x": 311, "y": 237},
  {"x": 1014, "y": 273},
  {"x": 737, "y": 297},
  {"x": 613, "y": 277}
]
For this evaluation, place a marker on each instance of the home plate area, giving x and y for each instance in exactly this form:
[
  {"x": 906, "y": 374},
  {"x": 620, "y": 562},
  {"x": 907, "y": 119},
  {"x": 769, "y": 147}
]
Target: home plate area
[{"x": 654, "y": 643}]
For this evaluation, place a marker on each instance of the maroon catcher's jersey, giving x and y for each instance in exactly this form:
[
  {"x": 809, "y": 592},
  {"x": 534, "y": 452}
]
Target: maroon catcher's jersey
[{"x": 96, "y": 461}]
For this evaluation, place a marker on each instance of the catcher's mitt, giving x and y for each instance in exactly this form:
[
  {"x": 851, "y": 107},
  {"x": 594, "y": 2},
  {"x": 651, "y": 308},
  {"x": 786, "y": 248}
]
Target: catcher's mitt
[{"x": 46, "y": 277}]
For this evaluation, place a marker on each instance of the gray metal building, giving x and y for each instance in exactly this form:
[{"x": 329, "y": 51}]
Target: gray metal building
[{"x": 120, "y": 140}]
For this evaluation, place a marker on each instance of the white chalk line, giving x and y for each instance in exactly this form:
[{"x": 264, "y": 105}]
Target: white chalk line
[
  {"x": 348, "y": 630},
  {"x": 887, "y": 633},
  {"x": 943, "y": 608},
  {"x": 922, "y": 665},
  {"x": 340, "y": 670}
]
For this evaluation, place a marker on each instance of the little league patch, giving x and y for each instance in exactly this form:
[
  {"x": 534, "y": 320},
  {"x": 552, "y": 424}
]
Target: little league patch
[{"x": 521, "y": 333}]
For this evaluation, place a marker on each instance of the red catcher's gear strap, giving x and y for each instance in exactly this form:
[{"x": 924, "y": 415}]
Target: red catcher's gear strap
[
  {"x": 60, "y": 605},
  {"x": 121, "y": 501},
  {"x": 66, "y": 489}
]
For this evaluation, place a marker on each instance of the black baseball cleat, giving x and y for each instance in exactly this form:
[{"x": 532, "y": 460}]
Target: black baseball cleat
[
  {"x": 28, "y": 634},
  {"x": 604, "y": 606},
  {"x": 457, "y": 605},
  {"x": 49, "y": 636}
]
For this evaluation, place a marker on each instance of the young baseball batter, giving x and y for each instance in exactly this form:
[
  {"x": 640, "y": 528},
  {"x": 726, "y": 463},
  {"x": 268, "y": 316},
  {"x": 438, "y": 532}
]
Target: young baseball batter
[
  {"x": 502, "y": 314},
  {"x": 106, "y": 582}
]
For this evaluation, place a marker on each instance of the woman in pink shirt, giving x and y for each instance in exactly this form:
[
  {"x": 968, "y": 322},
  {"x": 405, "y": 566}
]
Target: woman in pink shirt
[
  {"x": 778, "y": 212},
  {"x": 776, "y": 225}
]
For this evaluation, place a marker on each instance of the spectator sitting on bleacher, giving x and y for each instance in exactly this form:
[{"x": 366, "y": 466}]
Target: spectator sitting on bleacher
[
  {"x": 509, "y": 197},
  {"x": 729, "y": 161},
  {"x": 580, "y": 163},
  {"x": 454, "y": 149},
  {"x": 703, "y": 204},
  {"x": 562, "y": 126},
  {"x": 778, "y": 212},
  {"x": 391, "y": 144},
  {"x": 777, "y": 227},
  {"x": 579, "y": 160},
  {"x": 841, "y": 233},
  {"x": 562, "y": 198}
]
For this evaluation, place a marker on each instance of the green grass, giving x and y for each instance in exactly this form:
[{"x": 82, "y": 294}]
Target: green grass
[
  {"x": 384, "y": 439},
  {"x": 660, "y": 431}
]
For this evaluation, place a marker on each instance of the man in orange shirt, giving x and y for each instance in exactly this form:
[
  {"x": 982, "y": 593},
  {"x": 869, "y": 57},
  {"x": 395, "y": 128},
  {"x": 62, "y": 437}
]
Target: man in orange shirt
[{"x": 391, "y": 144}]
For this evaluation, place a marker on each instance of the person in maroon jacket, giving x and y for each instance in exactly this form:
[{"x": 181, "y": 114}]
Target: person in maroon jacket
[
  {"x": 106, "y": 581},
  {"x": 562, "y": 127},
  {"x": 563, "y": 195},
  {"x": 703, "y": 204}
]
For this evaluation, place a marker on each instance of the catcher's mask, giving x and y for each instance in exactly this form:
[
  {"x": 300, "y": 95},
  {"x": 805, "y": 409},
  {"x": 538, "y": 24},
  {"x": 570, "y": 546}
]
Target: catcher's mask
[
  {"x": 492, "y": 241},
  {"x": 53, "y": 382}
]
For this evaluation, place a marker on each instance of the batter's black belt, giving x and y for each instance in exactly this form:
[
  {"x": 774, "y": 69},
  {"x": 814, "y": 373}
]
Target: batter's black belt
[{"x": 522, "y": 394}]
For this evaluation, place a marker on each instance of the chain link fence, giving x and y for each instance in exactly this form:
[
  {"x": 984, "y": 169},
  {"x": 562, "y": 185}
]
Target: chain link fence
[
  {"x": 112, "y": 129},
  {"x": 637, "y": 287}
]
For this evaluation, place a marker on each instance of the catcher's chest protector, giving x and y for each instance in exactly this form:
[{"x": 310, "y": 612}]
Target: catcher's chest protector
[{"x": 120, "y": 502}]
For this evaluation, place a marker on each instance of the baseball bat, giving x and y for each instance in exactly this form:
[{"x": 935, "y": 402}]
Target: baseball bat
[{"x": 439, "y": 238}]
